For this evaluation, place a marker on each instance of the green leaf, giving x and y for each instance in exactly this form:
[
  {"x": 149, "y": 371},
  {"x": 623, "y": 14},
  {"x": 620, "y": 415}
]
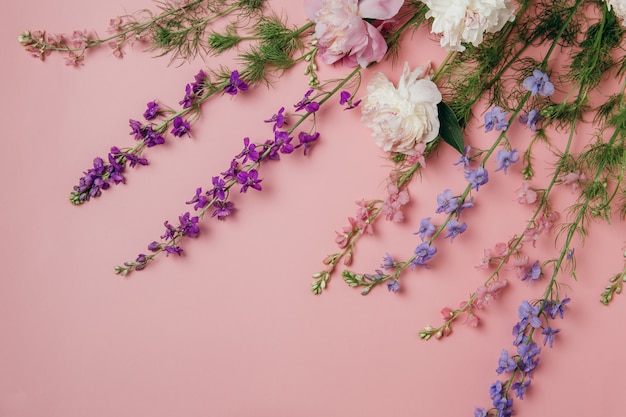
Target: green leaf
[{"x": 450, "y": 130}]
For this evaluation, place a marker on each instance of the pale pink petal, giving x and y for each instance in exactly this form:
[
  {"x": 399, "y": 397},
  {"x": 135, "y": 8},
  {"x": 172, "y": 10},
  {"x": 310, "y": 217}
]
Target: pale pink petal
[
  {"x": 311, "y": 7},
  {"x": 379, "y": 9},
  {"x": 375, "y": 50}
]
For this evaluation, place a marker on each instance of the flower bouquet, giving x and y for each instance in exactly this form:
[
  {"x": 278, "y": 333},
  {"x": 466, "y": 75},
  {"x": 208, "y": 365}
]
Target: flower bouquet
[{"x": 518, "y": 79}]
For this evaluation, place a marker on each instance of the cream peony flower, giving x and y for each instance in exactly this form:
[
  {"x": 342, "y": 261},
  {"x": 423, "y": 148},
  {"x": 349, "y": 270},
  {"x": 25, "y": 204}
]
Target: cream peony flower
[
  {"x": 459, "y": 21},
  {"x": 619, "y": 8},
  {"x": 404, "y": 117}
]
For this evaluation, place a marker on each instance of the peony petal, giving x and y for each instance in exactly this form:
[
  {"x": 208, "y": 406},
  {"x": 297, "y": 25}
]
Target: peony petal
[
  {"x": 311, "y": 7},
  {"x": 379, "y": 9},
  {"x": 375, "y": 50}
]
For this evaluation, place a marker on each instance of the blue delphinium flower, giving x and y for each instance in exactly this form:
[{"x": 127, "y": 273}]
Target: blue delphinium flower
[
  {"x": 505, "y": 362},
  {"x": 531, "y": 119},
  {"x": 519, "y": 387},
  {"x": 454, "y": 229},
  {"x": 538, "y": 83},
  {"x": 495, "y": 119},
  {"x": 505, "y": 158},
  {"x": 549, "y": 334},
  {"x": 477, "y": 177},
  {"x": 480, "y": 412},
  {"x": 464, "y": 160},
  {"x": 556, "y": 308},
  {"x": 393, "y": 286},
  {"x": 423, "y": 252},
  {"x": 388, "y": 262},
  {"x": 528, "y": 314},
  {"x": 427, "y": 229},
  {"x": 533, "y": 274},
  {"x": 447, "y": 202}
]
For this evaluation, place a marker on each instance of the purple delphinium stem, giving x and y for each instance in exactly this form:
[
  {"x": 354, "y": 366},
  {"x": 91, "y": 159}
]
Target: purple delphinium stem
[
  {"x": 243, "y": 171},
  {"x": 148, "y": 134}
]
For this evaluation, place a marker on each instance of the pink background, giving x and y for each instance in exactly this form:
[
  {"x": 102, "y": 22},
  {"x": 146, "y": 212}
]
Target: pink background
[{"x": 232, "y": 329}]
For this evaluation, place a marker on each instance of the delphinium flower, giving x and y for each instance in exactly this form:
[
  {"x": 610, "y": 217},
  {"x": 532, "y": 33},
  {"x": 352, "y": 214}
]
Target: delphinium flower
[
  {"x": 495, "y": 119},
  {"x": 526, "y": 194},
  {"x": 454, "y": 228},
  {"x": 467, "y": 21},
  {"x": 343, "y": 30},
  {"x": 447, "y": 202},
  {"x": 477, "y": 177},
  {"x": 426, "y": 229},
  {"x": 505, "y": 158},
  {"x": 346, "y": 99},
  {"x": 403, "y": 117},
  {"x": 539, "y": 83},
  {"x": 531, "y": 119},
  {"x": 236, "y": 84},
  {"x": 396, "y": 199}
]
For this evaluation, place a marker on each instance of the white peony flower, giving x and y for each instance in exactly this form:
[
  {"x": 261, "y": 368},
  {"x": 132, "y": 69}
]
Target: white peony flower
[
  {"x": 403, "y": 117},
  {"x": 619, "y": 8},
  {"x": 459, "y": 21}
]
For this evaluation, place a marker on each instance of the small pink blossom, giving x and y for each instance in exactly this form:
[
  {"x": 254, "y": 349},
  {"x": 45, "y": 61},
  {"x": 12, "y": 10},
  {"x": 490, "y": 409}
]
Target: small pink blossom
[
  {"x": 392, "y": 206},
  {"x": 486, "y": 293},
  {"x": 526, "y": 194},
  {"x": 343, "y": 34},
  {"x": 522, "y": 266},
  {"x": 79, "y": 39},
  {"x": 74, "y": 60},
  {"x": 418, "y": 156},
  {"x": 574, "y": 180}
]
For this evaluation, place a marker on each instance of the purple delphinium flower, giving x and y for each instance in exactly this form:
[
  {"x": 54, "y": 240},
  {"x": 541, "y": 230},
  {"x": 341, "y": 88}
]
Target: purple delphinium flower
[
  {"x": 236, "y": 84},
  {"x": 423, "y": 253},
  {"x": 197, "y": 87},
  {"x": 388, "y": 262},
  {"x": 181, "y": 127},
  {"x": 152, "y": 111},
  {"x": 505, "y": 362},
  {"x": 199, "y": 200},
  {"x": 465, "y": 159},
  {"x": 282, "y": 141},
  {"x": 538, "y": 83},
  {"x": 477, "y": 177},
  {"x": 152, "y": 137},
  {"x": 189, "y": 98},
  {"x": 495, "y": 119},
  {"x": 137, "y": 129},
  {"x": 154, "y": 246},
  {"x": 219, "y": 188},
  {"x": 393, "y": 286},
  {"x": 249, "y": 152},
  {"x": 454, "y": 229},
  {"x": 307, "y": 140},
  {"x": 531, "y": 119},
  {"x": 346, "y": 98},
  {"x": 505, "y": 158},
  {"x": 427, "y": 229},
  {"x": 232, "y": 171},
  {"x": 528, "y": 314},
  {"x": 447, "y": 202},
  {"x": 549, "y": 333},
  {"x": 249, "y": 179},
  {"x": 533, "y": 274},
  {"x": 223, "y": 209},
  {"x": 278, "y": 119},
  {"x": 173, "y": 249},
  {"x": 307, "y": 104},
  {"x": 189, "y": 225}
]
